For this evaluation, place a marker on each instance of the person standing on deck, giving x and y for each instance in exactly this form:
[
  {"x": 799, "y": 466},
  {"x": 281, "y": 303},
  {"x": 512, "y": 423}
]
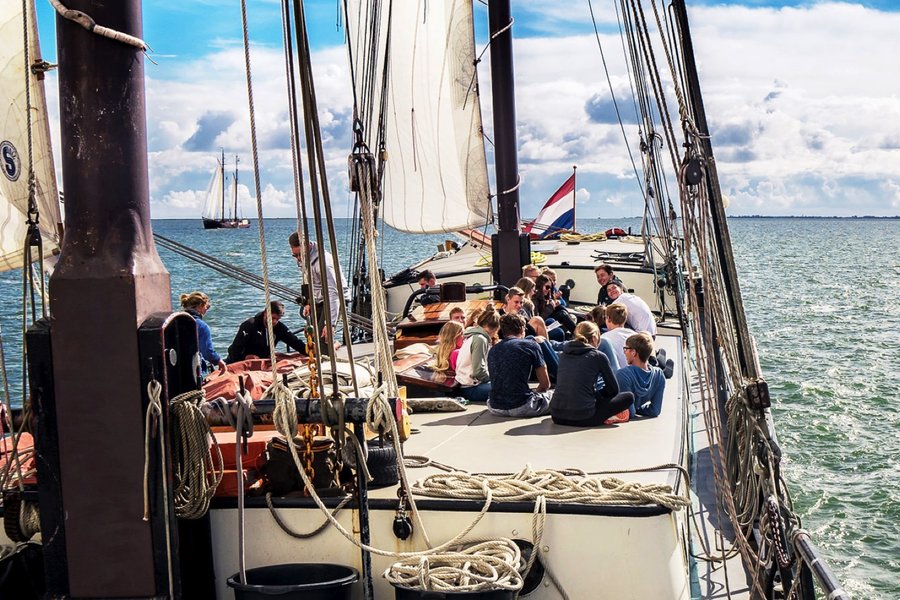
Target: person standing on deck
[
  {"x": 252, "y": 338},
  {"x": 318, "y": 291},
  {"x": 605, "y": 275},
  {"x": 587, "y": 393},
  {"x": 616, "y": 315},
  {"x": 197, "y": 304},
  {"x": 646, "y": 382},
  {"x": 640, "y": 317},
  {"x": 511, "y": 362}
]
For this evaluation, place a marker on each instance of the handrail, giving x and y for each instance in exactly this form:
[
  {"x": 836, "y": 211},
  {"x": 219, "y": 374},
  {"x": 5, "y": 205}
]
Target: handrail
[{"x": 812, "y": 559}]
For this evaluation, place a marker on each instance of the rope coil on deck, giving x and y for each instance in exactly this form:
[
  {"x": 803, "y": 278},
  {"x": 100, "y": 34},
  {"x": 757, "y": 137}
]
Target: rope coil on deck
[
  {"x": 489, "y": 565},
  {"x": 556, "y": 486}
]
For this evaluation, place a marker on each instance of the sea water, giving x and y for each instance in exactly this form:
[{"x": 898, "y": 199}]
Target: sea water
[{"x": 821, "y": 297}]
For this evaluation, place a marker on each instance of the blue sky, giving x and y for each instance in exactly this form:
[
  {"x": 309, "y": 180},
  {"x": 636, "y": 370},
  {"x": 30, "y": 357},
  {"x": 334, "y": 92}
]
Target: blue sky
[{"x": 803, "y": 101}]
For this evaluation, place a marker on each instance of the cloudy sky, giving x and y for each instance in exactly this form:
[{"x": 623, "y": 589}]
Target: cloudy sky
[{"x": 803, "y": 101}]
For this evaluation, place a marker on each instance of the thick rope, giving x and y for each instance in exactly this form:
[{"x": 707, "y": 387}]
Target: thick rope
[
  {"x": 196, "y": 475},
  {"x": 555, "y": 486},
  {"x": 85, "y": 20}
]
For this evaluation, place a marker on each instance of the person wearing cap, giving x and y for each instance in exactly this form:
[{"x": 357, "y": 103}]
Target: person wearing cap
[
  {"x": 318, "y": 289},
  {"x": 604, "y": 274},
  {"x": 640, "y": 317}
]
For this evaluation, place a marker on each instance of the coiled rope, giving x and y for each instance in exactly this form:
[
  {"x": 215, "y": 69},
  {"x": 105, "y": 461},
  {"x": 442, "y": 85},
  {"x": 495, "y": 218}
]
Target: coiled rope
[
  {"x": 196, "y": 474},
  {"x": 556, "y": 486}
]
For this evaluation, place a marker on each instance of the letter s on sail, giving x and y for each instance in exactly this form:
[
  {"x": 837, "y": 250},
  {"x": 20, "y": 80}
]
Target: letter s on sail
[{"x": 9, "y": 160}]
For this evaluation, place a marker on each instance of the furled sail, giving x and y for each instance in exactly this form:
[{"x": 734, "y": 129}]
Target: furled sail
[
  {"x": 435, "y": 176},
  {"x": 15, "y": 76}
]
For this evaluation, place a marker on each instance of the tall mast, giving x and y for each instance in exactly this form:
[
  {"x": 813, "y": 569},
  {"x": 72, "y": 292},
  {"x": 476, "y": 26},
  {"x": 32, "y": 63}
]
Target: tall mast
[
  {"x": 235, "y": 186},
  {"x": 109, "y": 279},
  {"x": 222, "y": 171},
  {"x": 508, "y": 250}
]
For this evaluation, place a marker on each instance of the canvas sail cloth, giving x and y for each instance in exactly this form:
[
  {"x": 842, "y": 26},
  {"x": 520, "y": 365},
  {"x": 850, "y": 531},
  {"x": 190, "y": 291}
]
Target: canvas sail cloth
[
  {"x": 435, "y": 176},
  {"x": 558, "y": 214},
  {"x": 212, "y": 208},
  {"x": 14, "y": 148}
]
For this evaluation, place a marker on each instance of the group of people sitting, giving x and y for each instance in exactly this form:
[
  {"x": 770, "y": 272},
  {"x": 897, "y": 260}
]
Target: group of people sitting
[{"x": 602, "y": 370}]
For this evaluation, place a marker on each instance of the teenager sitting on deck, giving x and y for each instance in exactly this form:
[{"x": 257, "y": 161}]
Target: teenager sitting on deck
[
  {"x": 252, "y": 339},
  {"x": 640, "y": 317},
  {"x": 514, "y": 304},
  {"x": 646, "y": 382},
  {"x": 472, "y": 372},
  {"x": 577, "y": 401},
  {"x": 616, "y": 315},
  {"x": 450, "y": 340},
  {"x": 511, "y": 362}
]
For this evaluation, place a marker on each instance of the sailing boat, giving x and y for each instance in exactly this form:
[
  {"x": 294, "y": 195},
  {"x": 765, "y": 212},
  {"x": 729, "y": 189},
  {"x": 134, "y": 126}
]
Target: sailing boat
[
  {"x": 558, "y": 529},
  {"x": 214, "y": 216},
  {"x": 23, "y": 113}
]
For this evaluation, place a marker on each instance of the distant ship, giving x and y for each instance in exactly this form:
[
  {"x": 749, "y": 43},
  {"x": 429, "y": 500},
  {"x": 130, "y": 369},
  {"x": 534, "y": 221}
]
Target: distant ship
[{"x": 214, "y": 208}]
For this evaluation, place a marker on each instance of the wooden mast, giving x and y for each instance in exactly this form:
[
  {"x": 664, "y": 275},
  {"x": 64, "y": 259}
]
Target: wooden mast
[
  {"x": 510, "y": 250},
  {"x": 109, "y": 279}
]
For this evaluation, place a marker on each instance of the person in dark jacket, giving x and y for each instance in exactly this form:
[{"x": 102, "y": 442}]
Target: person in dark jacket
[
  {"x": 605, "y": 276},
  {"x": 252, "y": 339},
  {"x": 577, "y": 401}
]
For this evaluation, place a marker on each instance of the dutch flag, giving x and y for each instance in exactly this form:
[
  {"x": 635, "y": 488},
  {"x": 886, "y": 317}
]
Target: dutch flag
[{"x": 558, "y": 214}]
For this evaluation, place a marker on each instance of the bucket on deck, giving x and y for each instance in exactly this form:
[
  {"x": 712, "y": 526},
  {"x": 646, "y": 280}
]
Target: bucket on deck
[
  {"x": 403, "y": 593},
  {"x": 297, "y": 581}
]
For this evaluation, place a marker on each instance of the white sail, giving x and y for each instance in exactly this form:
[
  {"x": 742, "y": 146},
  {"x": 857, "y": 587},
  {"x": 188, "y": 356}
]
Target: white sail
[
  {"x": 436, "y": 172},
  {"x": 212, "y": 208},
  {"x": 14, "y": 147}
]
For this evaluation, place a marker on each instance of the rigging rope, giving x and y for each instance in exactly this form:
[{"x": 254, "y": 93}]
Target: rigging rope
[{"x": 197, "y": 471}]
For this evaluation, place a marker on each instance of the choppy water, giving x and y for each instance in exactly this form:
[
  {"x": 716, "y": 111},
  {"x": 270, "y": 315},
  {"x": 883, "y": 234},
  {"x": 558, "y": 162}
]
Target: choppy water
[{"x": 822, "y": 301}]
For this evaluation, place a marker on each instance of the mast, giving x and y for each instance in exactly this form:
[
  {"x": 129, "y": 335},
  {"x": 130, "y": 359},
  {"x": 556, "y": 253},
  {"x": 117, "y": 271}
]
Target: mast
[
  {"x": 222, "y": 171},
  {"x": 746, "y": 351},
  {"x": 510, "y": 250},
  {"x": 235, "y": 186},
  {"x": 108, "y": 280}
]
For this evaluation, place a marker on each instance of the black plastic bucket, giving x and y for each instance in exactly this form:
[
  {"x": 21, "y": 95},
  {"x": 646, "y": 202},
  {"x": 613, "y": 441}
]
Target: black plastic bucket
[
  {"x": 298, "y": 581},
  {"x": 402, "y": 593}
]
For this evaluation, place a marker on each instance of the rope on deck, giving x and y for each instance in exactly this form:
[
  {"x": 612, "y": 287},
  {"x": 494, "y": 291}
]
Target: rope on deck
[{"x": 556, "y": 486}]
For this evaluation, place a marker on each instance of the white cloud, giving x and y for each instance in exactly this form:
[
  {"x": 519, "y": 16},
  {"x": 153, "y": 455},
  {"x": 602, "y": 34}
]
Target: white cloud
[{"x": 800, "y": 101}]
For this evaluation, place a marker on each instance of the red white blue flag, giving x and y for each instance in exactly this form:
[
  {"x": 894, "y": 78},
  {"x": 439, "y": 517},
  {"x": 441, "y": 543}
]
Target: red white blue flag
[{"x": 558, "y": 214}]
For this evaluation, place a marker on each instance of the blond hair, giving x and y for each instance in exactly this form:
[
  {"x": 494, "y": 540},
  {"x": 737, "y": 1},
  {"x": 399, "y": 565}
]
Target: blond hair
[
  {"x": 617, "y": 314},
  {"x": 447, "y": 337},
  {"x": 586, "y": 331},
  {"x": 193, "y": 300}
]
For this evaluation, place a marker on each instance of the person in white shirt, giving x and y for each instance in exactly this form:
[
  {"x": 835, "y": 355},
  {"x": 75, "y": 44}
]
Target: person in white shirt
[
  {"x": 617, "y": 333},
  {"x": 318, "y": 293},
  {"x": 640, "y": 317}
]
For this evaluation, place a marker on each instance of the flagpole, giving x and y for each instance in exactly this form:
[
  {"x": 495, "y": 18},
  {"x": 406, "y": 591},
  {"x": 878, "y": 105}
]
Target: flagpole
[{"x": 574, "y": 211}]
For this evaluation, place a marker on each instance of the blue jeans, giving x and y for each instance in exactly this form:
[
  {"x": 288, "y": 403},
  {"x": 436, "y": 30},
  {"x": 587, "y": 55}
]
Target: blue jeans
[{"x": 476, "y": 393}]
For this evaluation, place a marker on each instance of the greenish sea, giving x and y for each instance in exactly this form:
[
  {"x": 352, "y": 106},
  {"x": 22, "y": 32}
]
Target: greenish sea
[{"x": 821, "y": 297}]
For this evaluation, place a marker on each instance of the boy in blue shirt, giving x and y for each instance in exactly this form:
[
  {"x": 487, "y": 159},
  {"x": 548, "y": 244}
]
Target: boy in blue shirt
[{"x": 646, "y": 382}]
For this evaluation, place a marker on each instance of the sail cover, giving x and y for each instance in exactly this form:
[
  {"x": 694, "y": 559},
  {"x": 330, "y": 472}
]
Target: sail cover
[
  {"x": 14, "y": 147},
  {"x": 422, "y": 55}
]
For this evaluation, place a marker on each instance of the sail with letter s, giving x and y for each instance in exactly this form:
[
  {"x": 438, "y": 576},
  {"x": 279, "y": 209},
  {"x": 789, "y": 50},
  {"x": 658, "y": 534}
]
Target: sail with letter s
[
  {"x": 15, "y": 151},
  {"x": 435, "y": 174}
]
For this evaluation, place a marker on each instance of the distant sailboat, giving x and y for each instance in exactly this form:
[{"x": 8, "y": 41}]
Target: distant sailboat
[{"x": 214, "y": 209}]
